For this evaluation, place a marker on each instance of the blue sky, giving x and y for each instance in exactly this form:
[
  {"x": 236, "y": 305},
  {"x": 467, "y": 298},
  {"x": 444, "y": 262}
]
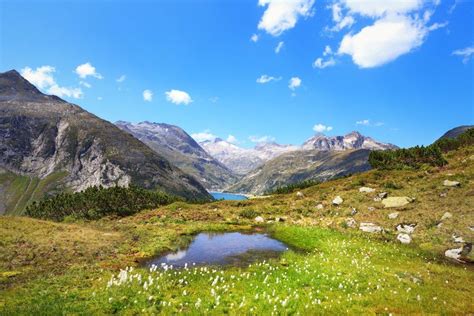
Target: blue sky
[{"x": 399, "y": 71}]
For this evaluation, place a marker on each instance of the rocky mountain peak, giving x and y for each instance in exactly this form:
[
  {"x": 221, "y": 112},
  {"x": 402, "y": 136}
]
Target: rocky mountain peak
[{"x": 14, "y": 86}]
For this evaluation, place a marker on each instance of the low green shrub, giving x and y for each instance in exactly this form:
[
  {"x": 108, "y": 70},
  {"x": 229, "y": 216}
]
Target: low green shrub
[{"x": 96, "y": 202}]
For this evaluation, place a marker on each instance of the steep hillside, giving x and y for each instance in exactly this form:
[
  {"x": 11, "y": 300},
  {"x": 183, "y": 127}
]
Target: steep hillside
[
  {"x": 302, "y": 165},
  {"x": 43, "y": 137},
  {"x": 178, "y": 147},
  {"x": 455, "y": 132}
]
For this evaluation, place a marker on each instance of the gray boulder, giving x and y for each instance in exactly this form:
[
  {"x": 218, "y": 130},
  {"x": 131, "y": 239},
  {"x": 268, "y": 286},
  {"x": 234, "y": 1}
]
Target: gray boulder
[
  {"x": 370, "y": 228},
  {"x": 396, "y": 201}
]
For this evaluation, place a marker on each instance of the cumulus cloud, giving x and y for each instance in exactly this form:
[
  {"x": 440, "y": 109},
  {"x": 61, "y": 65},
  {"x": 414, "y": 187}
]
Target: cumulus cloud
[
  {"x": 178, "y": 97},
  {"x": 327, "y": 62},
  {"x": 232, "y": 139},
  {"x": 279, "y": 47},
  {"x": 261, "y": 139},
  {"x": 254, "y": 38},
  {"x": 282, "y": 15},
  {"x": 465, "y": 53},
  {"x": 384, "y": 41},
  {"x": 294, "y": 83},
  {"x": 43, "y": 78},
  {"x": 203, "y": 136},
  {"x": 321, "y": 128},
  {"x": 86, "y": 70},
  {"x": 121, "y": 78},
  {"x": 340, "y": 21},
  {"x": 266, "y": 79},
  {"x": 147, "y": 95}
]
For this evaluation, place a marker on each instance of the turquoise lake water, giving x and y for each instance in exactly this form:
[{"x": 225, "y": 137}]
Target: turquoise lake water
[{"x": 228, "y": 196}]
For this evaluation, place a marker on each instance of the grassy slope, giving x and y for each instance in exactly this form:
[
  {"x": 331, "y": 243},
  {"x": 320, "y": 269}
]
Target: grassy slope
[
  {"x": 19, "y": 190},
  {"x": 54, "y": 268}
]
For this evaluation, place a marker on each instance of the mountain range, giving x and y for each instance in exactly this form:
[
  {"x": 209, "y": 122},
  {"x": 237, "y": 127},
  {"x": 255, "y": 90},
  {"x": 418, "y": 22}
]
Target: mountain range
[
  {"x": 182, "y": 150},
  {"x": 48, "y": 145}
]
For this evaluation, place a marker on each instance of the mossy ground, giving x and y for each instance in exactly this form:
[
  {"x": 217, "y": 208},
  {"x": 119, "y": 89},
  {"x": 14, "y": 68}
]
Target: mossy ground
[{"x": 56, "y": 268}]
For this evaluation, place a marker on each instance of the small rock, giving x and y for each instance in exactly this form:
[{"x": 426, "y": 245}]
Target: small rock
[
  {"x": 371, "y": 208},
  {"x": 449, "y": 183},
  {"x": 459, "y": 253},
  {"x": 446, "y": 215},
  {"x": 393, "y": 215},
  {"x": 366, "y": 190},
  {"x": 259, "y": 219},
  {"x": 439, "y": 225},
  {"x": 353, "y": 211},
  {"x": 377, "y": 199},
  {"x": 337, "y": 200},
  {"x": 299, "y": 195},
  {"x": 443, "y": 194},
  {"x": 319, "y": 206},
  {"x": 280, "y": 219},
  {"x": 458, "y": 239},
  {"x": 471, "y": 228},
  {"x": 370, "y": 228},
  {"x": 404, "y": 238},
  {"x": 382, "y": 195},
  {"x": 453, "y": 253},
  {"x": 350, "y": 222},
  {"x": 406, "y": 228},
  {"x": 396, "y": 201}
]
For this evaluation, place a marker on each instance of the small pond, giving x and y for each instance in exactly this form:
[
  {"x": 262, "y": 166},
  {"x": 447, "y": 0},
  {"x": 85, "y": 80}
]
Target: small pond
[
  {"x": 228, "y": 196},
  {"x": 232, "y": 248}
]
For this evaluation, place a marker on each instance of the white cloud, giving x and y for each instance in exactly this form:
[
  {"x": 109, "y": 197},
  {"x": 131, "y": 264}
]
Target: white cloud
[
  {"x": 178, "y": 97},
  {"x": 203, "y": 136},
  {"x": 294, "y": 83},
  {"x": 279, "y": 47},
  {"x": 147, "y": 95},
  {"x": 282, "y": 15},
  {"x": 43, "y": 78},
  {"x": 363, "y": 122},
  {"x": 121, "y": 78},
  {"x": 374, "y": 8},
  {"x": 384, "y": 41},
  {"x": 85, "y": 84},
  {"x": 61, "y": 92},
  {"x": 320, "y": 128},
  {"x": 254, "y": 38},
  {"x": 321, "y": 64},
  {"x": 214, "y": 99},
  {"x": 261, "y": 139},
  {"x": 340, "y": 20},
  {"x": 85, "y": 70},
  {"x": 378, "y": 124},
  {"x": 466, "y": 53},
  {"x": 266, "y": 78},
  {"x": 232, "y": 139}
]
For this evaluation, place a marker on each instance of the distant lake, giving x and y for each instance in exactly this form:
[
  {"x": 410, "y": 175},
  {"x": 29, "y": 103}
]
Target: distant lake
[{"x": 228, "y": 196}]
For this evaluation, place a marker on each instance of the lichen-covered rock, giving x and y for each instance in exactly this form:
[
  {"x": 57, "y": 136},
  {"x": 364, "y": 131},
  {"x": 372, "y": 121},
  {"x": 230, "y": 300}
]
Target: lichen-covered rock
[
  {"x": 449, "y": 183},
  {"x": 393, "y": 215},
  {"x": 337, "y": 200},
  {"x": 366, "y": 190},
  {"x": 446, "y": 216},
  {"x": 404, "y": 238},
  {"x": 406, "y": 228},
  {"x": 396, "y": 201},
  {"x": 370, "y": 228}
]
